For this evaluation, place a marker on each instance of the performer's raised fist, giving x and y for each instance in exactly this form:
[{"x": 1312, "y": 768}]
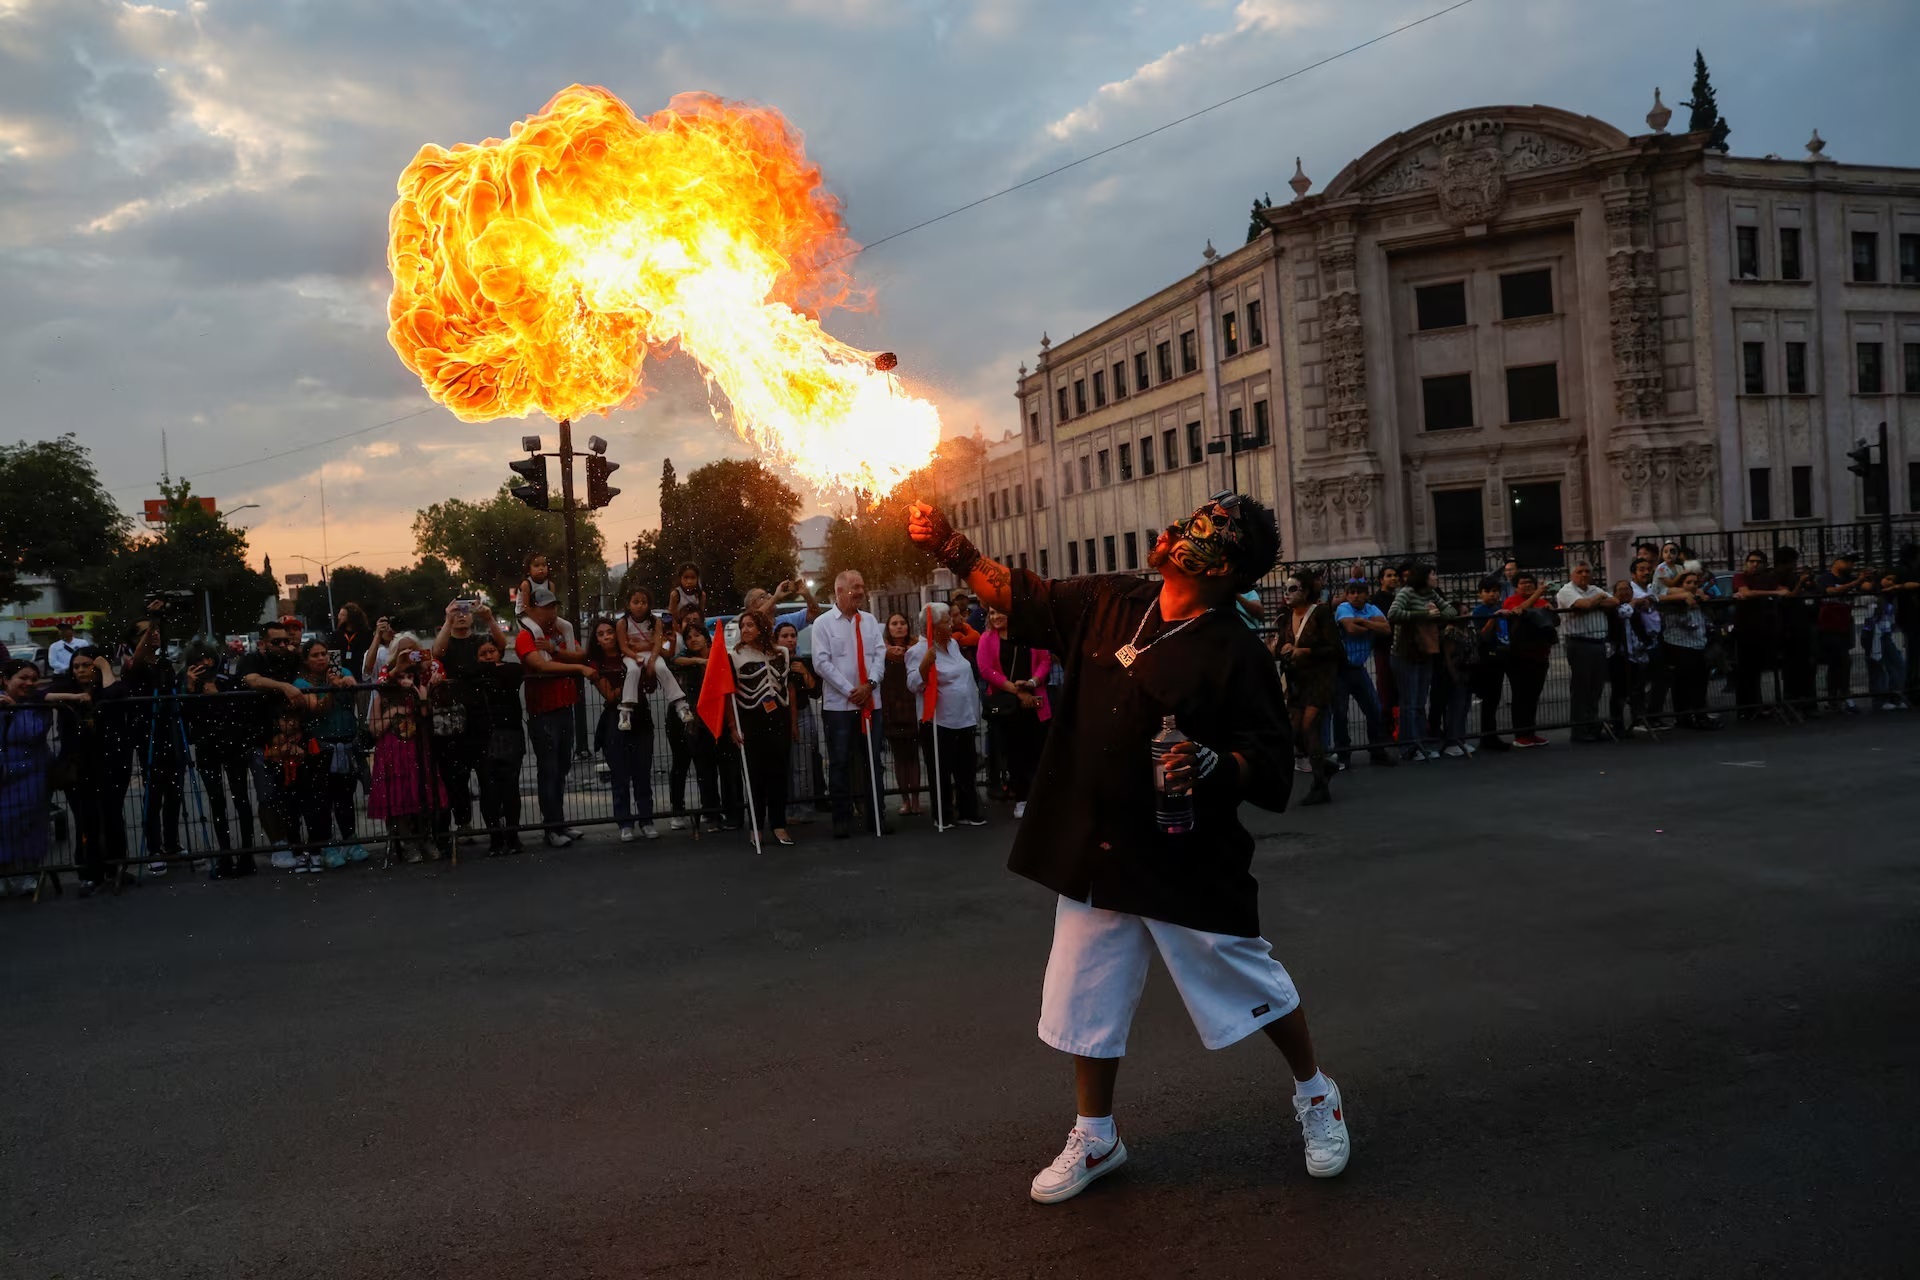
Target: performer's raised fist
[{"x": 928, "y": 525}]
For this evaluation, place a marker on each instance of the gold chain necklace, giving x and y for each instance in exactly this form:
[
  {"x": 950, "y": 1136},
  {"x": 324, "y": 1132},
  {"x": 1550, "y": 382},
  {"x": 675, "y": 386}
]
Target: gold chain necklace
[{"x": 1130, "y": 652}]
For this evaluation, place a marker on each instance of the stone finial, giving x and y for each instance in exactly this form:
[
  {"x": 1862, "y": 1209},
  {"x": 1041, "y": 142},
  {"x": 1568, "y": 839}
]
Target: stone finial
[
  {"x": 1210, "y": 253},
  {"x": 1661, "y": 113},
  {"x": 1023, "y": 371},
  {"x": 1045, "y": 341},
  {"x": 1816, "y": 146},
  {"x": 1300, "y": 182}
]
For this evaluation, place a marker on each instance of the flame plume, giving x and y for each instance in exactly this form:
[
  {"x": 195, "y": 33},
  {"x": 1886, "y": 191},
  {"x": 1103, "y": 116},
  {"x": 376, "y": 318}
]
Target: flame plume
[{"x": 535, "y": 272}]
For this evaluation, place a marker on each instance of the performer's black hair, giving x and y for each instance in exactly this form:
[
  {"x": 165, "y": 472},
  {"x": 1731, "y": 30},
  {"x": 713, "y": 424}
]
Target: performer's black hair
[{"x": 1253, "y": 557}]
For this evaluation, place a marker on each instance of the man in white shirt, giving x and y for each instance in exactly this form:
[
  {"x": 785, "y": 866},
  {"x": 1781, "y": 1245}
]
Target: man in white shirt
[
  {"x": 956, "y": 717},
  {"x": 1585, "y": 628},
  {"x": 60, "y": 652},
  {"x": 849, "y": 656}
]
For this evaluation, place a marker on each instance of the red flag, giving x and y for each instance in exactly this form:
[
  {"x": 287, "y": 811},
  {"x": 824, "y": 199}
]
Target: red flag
[
  {"x": 718, "y": 684},
  {"x": 931, "y": 698}
]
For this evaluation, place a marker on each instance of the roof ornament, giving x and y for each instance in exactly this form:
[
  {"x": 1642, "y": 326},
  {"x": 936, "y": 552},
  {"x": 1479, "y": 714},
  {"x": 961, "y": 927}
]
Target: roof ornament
[
  {"x": 1661, "y": 113},
  {"x": 1816, "y": 146},
  {"x": 1300, "y": 182}
]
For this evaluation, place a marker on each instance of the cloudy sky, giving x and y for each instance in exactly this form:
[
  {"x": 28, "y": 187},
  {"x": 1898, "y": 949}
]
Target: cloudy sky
[{"x": 193, "y": 195}]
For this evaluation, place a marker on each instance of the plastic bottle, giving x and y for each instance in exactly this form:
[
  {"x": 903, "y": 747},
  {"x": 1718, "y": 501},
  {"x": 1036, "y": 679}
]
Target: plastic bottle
[{"x": 1172, "y": 811}]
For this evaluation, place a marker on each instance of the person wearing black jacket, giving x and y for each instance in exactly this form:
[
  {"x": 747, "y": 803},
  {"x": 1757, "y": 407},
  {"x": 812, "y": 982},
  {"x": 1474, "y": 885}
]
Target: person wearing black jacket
[
  {"x": 160, "y": 740},
  {"x": 95, "y": 753},
  {"x": 221, "y": 728},
  {"x": 1138, "y": 651},
  {"x": 494, "y": 711}
]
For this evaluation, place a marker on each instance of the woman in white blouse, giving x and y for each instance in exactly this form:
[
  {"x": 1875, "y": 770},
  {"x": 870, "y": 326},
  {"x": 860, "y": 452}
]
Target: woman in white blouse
[
  {"x": 765, "y": 727},
  {"x": 956, "y": 718}
]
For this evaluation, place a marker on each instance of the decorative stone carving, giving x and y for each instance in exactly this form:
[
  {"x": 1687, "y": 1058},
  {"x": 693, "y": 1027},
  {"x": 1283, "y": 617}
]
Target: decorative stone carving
[
  {"x": 1467, "y": 163},
  {"x": 1351, "y": 502},
  {"x": 1343, "y": 344},
  {"x": 1311, "y": 498},
  {"x": 1472, "y": 183},
  {"x": 1633, "y": 312},
  {"x": 1661, "y": 113},
  {"x": 1666, "y": 480},
  {"x": 1693, "y": 477}
]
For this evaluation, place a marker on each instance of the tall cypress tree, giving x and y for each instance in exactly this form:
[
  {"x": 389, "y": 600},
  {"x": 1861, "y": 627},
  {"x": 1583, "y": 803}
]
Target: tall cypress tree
[{"x": 1706, "y": 111}]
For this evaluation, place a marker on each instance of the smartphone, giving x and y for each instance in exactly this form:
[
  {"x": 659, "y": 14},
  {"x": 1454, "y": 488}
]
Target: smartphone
[{"x": 333, "y": 656}]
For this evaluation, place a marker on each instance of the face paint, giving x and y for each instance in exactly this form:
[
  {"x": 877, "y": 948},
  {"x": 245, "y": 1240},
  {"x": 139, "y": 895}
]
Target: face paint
[{"x": 1201, "y": 542}]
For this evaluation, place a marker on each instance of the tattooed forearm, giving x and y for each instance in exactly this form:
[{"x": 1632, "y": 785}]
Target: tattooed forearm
[{"x": 992, "y": 583}]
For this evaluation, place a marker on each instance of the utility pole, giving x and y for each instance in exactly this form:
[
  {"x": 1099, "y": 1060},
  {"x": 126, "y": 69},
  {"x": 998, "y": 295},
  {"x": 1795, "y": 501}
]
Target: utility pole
[
  {"x": 1886, "y": 496},
  {"x": 572, "y": 570}
]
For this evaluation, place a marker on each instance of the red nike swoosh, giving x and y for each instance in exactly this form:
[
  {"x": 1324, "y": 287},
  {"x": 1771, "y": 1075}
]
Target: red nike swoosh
[{"x": 1094, "y": 1162}]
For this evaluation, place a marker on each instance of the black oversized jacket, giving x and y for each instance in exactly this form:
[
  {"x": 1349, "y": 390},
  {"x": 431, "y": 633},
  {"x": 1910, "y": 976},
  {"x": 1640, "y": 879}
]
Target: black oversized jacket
[{"x": 1089, "y": 831}]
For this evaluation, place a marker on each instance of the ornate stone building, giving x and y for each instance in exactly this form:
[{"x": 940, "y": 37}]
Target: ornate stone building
[{"x": 1511, "y": 327}]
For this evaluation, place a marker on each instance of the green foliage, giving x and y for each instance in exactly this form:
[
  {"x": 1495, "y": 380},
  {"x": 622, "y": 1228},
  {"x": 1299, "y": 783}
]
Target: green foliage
[
  {"x": 414, "y": 597},
  {"x": 1254, "y": 224},
  {"x": 650, "y": 567},
  {"x": 487, "y": 543},
  {"x": 55, "y": 518},
  {"x": 735, "y": 520},
  {"x": 873, "y": 539},
  {"x": 1706, "y": 109},
  {"x": 194, "y": 551}
]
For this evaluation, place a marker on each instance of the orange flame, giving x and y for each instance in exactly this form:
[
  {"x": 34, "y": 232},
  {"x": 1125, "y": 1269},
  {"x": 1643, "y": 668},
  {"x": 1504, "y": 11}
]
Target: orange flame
[{"x": 536, "y": 272}]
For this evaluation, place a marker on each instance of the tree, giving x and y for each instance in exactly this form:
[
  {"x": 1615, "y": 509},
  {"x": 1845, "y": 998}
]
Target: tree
[
  {"x": 487, "y": 543},
  {"x": 873, "y": 539},
  {"x": 55, "y": 518},
  {"x": 1255, "y": 225},
  {"x": 651, "y": 567},
  {"x": 195, "y": 552},
  {"x": 735, "y": 520},
  {"x": 1706, "y": 110}
]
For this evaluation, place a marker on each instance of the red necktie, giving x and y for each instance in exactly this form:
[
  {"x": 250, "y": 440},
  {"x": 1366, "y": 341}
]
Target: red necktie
[{"x": 860, "y": 669}]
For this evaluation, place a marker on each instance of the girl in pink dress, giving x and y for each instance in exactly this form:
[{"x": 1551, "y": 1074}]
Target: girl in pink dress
[{"x": 407, "y": 790}]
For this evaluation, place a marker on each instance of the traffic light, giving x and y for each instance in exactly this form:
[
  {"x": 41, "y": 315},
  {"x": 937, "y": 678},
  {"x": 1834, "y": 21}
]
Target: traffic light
[
  {"x": 598, "y": 492},
  {"x": 1860, "y": 460},
  {"x": 534, "y": 471}
]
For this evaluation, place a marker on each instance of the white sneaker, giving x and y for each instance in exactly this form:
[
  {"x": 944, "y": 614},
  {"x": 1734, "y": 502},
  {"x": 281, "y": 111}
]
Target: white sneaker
[
  {"x": 1079, "y": 1163},
  {"x": 558, "y": 840},
  {"x": 684, "y": 711},
  {"x": 156, "y": 868},
  {"x": 1325, "y": 1131},
  {"x": 1019, "y": 810},
  {"x": 626, "y": 717},
  {"x": 650, "y": 831},
  {"x": 1454, "y": 750},
  {"x": 1428, "y": 753},
  {"x": 626, "y": 834},
  {"x": 302, "y": 864},
  {"x": 1471, "y": 748},
  {"x": 282, "y": 859},
  {"x": 676, "y": 824},
  {"x": 1303, "y": 765}
]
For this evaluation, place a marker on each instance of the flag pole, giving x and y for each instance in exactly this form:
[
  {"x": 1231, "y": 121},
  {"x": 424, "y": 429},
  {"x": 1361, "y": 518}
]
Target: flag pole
[
  {"x": 746, "y": 775},
  {"x": 873, "y": 770},
  {"x": 933, "y": 729}
]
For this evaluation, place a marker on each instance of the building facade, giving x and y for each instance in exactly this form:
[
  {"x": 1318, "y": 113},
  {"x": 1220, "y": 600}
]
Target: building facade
[{"x": 1511, "y": 328}]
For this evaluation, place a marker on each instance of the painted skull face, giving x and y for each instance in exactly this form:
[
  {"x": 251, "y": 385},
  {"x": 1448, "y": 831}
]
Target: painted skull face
[{"x": 1203, "y": 541}]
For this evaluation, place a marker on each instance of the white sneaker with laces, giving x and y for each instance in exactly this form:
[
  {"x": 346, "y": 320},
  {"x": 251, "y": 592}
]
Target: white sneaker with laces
[
  {"x": 282, "y": 859},
  {"x": 1325, "y": 1130},
  {"x": 1080, "y": 1162},
  {"x": 626, "y": 834},
  {"x": 626, "y": 717},
  {"x": 1454, "y": 750},
  {"x": 676, "y": 824},
  {"x": 650, "y": 831},
  {"x": 1019, "y": 810}
]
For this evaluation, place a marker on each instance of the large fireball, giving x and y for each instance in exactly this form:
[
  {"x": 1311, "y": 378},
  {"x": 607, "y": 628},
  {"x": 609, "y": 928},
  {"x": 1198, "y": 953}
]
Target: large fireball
[{"x": 535, "y": 272}]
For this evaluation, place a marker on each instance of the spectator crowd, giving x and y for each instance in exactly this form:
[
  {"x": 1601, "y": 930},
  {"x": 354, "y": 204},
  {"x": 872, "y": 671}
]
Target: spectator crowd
[{"x": 794, "y": 707}]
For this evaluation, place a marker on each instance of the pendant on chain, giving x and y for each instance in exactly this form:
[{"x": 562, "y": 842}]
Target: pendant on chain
[{"x": 1126, "y": 653}]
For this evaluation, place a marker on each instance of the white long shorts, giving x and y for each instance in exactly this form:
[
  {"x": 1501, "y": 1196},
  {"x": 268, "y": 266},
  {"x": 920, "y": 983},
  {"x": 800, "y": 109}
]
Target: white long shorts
[{"x": 1232, "y": 986}]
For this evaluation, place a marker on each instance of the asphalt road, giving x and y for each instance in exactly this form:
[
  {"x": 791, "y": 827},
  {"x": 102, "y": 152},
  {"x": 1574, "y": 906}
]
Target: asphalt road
[{"x": 1643, "y": 1010}]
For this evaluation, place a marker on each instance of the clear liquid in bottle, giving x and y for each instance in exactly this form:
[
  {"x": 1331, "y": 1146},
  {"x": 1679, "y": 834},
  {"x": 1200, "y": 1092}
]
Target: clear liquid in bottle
[{"x": 1172, "y": 811}]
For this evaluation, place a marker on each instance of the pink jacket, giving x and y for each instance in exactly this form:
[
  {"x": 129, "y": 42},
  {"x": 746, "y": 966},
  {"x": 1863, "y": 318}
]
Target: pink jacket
[{"x": 989, "y": 660}]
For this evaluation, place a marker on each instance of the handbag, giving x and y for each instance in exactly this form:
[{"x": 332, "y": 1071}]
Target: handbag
[{"x": 1004, "y": 702}]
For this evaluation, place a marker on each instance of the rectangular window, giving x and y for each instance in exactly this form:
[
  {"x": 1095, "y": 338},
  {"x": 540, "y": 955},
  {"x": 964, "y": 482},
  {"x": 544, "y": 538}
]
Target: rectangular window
[
  {"x": 1533, "y": 393},
  {"x": 1066, "y": 479},
  {"x": 1170, "y": 448},
  {"x": 1526, "y": 293},
  {"x": 1256, "y": 331},
  {"x": 1099, "y": 388},
  {"x": 1064, "y": 415},
  {"x": 1802, "y": 493},
  {"x": 1448, "y": 401},
  {"x": 1753, "y": 368},
  {"x": 1440, "y": 306},
  {"x": 1039, "y": 494},
  {"x": 1005, "y": 508},
  {"x": 1790, "y": 253},
  {"x": 1262, "y": 434},
  {"x": 1093, "y": 566},
  {"x": 1146, "y": 455},
  {"x": 1139, "y": 371},
  {"x": 1079, "y": 395},
  {"x": 1106, "y": 545},
  {"x": 1033, "y": 426},
  {"x": 1106, "y": 470},
  {"x": 1866, "y": 257},
  {"x": 1163, "y": 360},
  {"x": 1189, "y": 351},
  {"x": 1746, "y": 245},
  {"x": 1073, "y": 558},
  {"x": 1120, "y": 380},
  {"x": 976, "y": 512},
  {"x": 1910, "y": 368},
  {"x": 993, "y": 507},
  {"x": 1020, "y": 499},
  {"x": 1909, "y": 258},
  {"x": 1796, "y": 368},
  {"x": 1133, "y": 550},
  {"x": 1043, "y": 562},
  {"x": 1086, "y": 473},
  {"x": 1866, "y": 363},
  {"x": 1126, "y": 461},
  {"x": 1196, "y": 449},
  {"x": 1760, "y": 493},
  {"x": 1237, "y": 429},
  {"x": 1230, "y": 333},
  {"x": 1023, "y": 559}
]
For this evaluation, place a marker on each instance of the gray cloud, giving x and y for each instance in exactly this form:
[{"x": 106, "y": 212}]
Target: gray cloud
[{"x": 193, "y": 198}]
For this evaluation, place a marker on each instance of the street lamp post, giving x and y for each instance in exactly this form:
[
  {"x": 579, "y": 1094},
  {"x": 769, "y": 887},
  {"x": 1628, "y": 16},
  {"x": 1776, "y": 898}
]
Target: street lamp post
[{"x": 326, "y": 579}]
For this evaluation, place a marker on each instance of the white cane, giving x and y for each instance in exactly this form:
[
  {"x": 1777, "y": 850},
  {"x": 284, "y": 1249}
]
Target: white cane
[
  {"x": 933, "y": 727},
  {"x": 873, "y": 775},
  {"x": 746, "y": 775}
]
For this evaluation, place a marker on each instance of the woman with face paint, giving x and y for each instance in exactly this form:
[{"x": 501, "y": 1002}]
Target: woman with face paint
[{"x": 1137, "y": 651}]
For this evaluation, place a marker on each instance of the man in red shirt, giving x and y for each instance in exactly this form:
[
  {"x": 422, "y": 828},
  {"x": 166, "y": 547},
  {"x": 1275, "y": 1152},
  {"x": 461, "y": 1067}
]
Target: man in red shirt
[{"x": 552, "y": 659}]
